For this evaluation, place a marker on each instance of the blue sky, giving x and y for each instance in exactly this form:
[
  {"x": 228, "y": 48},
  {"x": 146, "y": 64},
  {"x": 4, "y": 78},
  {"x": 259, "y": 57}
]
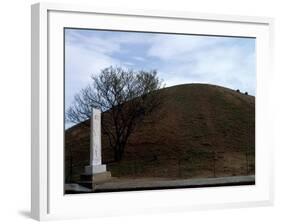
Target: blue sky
[{"x": 178, "y": 59}]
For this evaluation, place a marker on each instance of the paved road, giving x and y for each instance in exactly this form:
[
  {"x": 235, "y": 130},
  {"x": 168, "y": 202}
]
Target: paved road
[
  {"x": 117, "y": 184},
  {"x": 144, "y": 184}
]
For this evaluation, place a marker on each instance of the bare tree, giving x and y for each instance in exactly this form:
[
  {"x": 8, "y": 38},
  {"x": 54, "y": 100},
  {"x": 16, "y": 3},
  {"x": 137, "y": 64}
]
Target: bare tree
[{"x": 126, "y": 97}]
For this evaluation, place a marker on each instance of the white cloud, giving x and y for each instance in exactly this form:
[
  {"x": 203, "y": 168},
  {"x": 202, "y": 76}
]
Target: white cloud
[
  {"x": 216, "y": 60},
  {"x": 80, "y": 65},
  {"x": 91, "y": 42},
  {"x": 87, "y": 55},
  {"x": 170, "y": 47},
  {"x": 137, "y": 58},
  {"x": 179, "y": 59}
]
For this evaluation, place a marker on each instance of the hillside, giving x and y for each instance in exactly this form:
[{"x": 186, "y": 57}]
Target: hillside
[{"x": 200, "y": 131}]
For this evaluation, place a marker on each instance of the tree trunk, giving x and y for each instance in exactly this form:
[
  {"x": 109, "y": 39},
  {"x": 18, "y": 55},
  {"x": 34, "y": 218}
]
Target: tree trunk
[{"x": 118, "y": 153}]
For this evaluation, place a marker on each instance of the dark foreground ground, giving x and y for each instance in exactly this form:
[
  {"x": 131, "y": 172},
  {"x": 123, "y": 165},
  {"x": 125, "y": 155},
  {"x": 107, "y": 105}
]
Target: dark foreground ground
[{"x": 121, "y": 184}]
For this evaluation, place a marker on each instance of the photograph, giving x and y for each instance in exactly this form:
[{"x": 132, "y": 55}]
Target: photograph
[{"x": 151, "y": 110}]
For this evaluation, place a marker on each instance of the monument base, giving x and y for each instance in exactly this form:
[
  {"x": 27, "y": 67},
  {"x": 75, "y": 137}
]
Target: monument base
[
  {"x": 95, "y": 175},
  {"x": 95, "y": 169},
  {"x": 101, "y": 177},
  {"x": 91, "y": 180}
]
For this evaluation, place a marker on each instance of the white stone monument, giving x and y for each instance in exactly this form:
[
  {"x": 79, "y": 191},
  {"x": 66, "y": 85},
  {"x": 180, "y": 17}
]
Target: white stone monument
[{"x": 96, "y": 169}]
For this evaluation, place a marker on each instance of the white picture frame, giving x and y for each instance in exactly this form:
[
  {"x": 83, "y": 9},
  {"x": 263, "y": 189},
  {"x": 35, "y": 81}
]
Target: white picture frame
[{"x": 48, "y": 200}]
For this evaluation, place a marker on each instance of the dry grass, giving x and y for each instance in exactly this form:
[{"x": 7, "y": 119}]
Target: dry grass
[{"x": 200, "y": 131}]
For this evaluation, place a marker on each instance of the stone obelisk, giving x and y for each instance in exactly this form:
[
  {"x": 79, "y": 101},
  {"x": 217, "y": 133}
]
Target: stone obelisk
[{"x": 96, "y": 170}]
